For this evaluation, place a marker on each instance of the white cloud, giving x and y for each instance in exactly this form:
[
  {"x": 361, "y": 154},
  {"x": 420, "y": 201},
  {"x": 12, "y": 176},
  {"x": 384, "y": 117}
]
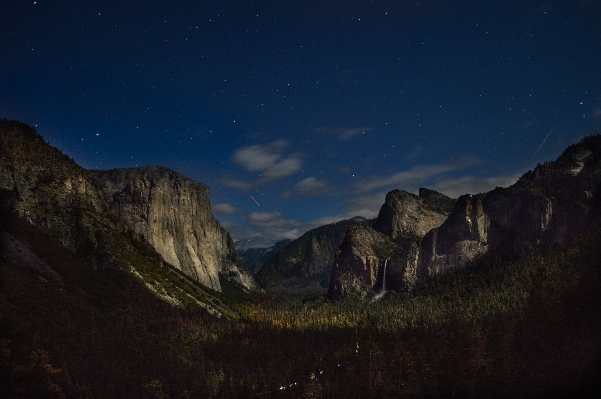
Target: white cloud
[
  {"x": 236, "y": 183},
  {"x": 225, "y": 209},
  {"x": 265, "y": 228},
  {"x": 344, "y": 133},
  {"x": 411, "y": 179},
  {"x": 309, "y": 187},
  {"x": 268, "y": 159}
]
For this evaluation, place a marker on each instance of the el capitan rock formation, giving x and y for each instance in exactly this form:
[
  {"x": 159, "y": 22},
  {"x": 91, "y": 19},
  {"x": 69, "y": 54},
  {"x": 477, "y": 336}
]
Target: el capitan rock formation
[
  {"x": 173, "y": 214},
  {"x": 74, "y": 206}
]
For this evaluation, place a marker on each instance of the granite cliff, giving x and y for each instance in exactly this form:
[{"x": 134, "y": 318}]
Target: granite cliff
[
  {"x": 308, "y": 260},
  {"x": 77, "y": 207},
  {"x": 173, "y": 214},
  {"x": 546, "y": 206},
  {"x": 51, "y": 192},
  {"x": 389, "y": 247}
]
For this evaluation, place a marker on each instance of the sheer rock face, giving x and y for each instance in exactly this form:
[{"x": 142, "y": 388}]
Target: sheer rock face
[
  {"x": 360, "y": 262},
  {"x": 544, "y": 207},
  {"x": 405, "y": 214},
  {"x": 173, "y": 214},
  {"x": 48, "y": 188},
  {"x": 393, "y": 242},
  {"x": 309, "y": 257},
  {"x": 462, "y": 236},
  {"x": 70, "y": 204}
]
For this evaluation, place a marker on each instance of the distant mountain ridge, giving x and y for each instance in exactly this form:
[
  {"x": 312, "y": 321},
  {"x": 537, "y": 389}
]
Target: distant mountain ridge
[
  {"x": 308, "y": 260},
  {"x": 254, "y": 258}
]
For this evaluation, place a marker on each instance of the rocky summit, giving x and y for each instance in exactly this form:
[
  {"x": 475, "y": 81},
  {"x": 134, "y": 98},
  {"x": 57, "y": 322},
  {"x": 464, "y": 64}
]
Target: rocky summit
[
  {"x": 404, "y": 214},
  {"x": 544, "y": 207}
]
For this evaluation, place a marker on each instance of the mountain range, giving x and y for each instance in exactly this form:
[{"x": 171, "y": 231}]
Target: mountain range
[{"x": 121, "y": 283}]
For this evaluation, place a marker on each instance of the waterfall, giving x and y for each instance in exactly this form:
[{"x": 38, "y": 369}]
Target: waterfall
[
  {"x": 384, "y": 277},
  {"x": 383, "y": 290}
]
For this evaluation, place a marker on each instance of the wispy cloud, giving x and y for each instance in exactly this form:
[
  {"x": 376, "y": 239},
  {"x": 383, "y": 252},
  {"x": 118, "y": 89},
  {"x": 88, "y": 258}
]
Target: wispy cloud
[
  {"x": 412, "y": 178},
  {"x": 239, "y": 184},
  {"x": 367, "y": 205},
  {"x": 344, "y": 133},
  {"x": 267, "y": 227},
  {"x": 268, "y": 160},
  {"x": 309, "y": 187},
  {"x": 225, "y": 209},
  {"x": 473, "y": 184}
]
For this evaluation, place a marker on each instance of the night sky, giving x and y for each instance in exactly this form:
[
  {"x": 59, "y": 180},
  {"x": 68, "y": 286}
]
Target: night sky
[{"x": 298, "y": 113}]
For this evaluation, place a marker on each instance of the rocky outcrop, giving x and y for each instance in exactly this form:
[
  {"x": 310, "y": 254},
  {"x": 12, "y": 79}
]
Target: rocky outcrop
[
  {"x": 255, "y": 258},
  {"x": 459, "y": 239},
  {"x": 544, "y": 207},
  {"x": 392, "y": 244},
  {"x": 308, "y": 259},
  {"x": 360, "y": 262},
  {"x": 77, "y": 207},
  {"x": 408, "y": 215},
  {"x": 173, "y": 214},
  {"x": 51, "y": 192}
]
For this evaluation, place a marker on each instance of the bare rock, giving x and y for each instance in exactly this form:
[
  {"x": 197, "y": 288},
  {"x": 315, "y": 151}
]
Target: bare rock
[
  {"x": 360, "y": 262},
  {"x": 173, "y": 214},
  {"x": 404, "y": 214}
]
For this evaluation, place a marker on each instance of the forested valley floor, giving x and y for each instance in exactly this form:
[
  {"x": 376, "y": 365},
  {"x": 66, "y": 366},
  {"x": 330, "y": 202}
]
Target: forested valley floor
[{"x": 497, "y": 328}]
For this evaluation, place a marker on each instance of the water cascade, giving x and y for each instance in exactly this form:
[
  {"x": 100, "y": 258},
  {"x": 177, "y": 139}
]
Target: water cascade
[
  {"x": 384, "y": 277},
  {"x": 383, "y": 290}
]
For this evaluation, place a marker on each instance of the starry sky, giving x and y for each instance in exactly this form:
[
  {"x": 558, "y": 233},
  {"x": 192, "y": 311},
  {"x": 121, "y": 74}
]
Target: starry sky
[{"x": 301, "y": 113}]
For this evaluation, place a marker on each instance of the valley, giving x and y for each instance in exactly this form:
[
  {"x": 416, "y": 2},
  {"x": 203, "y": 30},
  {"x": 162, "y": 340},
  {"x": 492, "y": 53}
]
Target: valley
[{"x": 94, "y": 304}]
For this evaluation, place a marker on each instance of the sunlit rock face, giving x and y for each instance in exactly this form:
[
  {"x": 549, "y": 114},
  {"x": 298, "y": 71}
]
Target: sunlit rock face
[{"x": 173, "y": 214}]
